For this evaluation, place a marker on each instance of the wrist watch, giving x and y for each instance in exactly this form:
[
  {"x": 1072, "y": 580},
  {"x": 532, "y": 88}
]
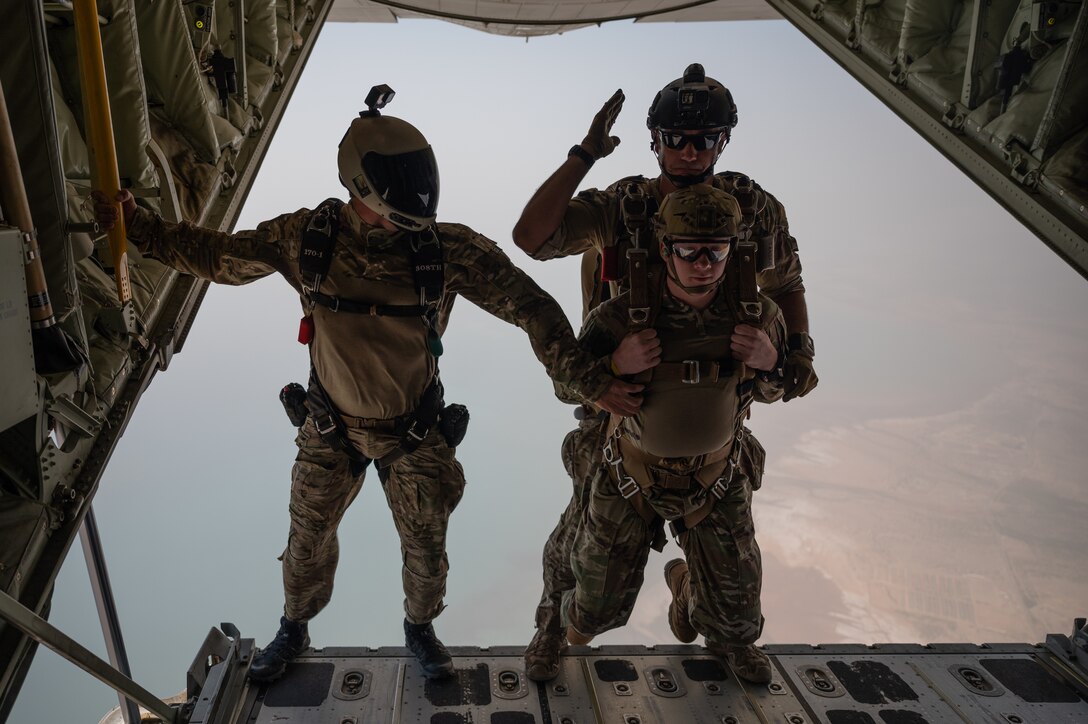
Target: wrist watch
[{"x": 577, "y": 150}]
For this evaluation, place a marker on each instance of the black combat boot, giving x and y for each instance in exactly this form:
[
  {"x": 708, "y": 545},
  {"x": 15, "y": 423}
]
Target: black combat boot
[
  {"x": 291, "y": 640},
  {"x": 432, "y": 655}
]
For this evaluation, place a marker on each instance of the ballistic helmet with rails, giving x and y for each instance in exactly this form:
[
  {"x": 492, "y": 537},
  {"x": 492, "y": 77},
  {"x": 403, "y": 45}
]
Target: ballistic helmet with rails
[
  {"x": 693, "y": 103},
  {"x": 388, "y": 165},
  {"x": 696, "y": 221},
  {"x": 692, "y": 110},
  {"x": 699, "y": 214}
]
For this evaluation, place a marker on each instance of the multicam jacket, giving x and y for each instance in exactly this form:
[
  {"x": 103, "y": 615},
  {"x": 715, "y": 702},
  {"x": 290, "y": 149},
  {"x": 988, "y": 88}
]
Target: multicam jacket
[{"x": 378, "y": 366}]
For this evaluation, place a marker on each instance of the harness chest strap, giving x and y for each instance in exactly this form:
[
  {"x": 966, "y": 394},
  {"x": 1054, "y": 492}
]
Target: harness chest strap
[{"x": 689, "y": 371}]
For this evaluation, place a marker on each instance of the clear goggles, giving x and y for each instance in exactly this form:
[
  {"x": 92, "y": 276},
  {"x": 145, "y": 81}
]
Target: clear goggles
[
  {"x": 689, "y": 250},
  {"x": 702, "y": 140}
]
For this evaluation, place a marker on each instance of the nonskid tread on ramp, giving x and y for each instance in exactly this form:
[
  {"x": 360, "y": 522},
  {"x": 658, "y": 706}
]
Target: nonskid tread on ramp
[{"x": 838, "y": 684}]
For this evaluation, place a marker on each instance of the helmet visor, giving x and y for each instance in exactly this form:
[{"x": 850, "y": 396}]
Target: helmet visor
[{"x": 407, "y": 182}]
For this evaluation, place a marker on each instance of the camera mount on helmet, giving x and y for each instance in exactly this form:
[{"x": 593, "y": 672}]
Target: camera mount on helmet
[{"x": 378, "y": 98}]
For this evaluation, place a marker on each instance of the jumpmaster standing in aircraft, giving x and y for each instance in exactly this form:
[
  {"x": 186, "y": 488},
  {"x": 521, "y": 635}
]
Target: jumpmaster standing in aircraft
[
  {"x": 690, "y": 122},
  {"x": 704, "y": 352},
  {"x": 376, "y": 277}
]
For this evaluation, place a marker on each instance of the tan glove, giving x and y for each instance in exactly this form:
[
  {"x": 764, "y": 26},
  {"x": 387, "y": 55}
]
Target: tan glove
[{"x": 597, "y": 142}]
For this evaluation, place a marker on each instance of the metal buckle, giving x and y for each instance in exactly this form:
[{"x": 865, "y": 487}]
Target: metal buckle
[
  {"x": 610, "y": 455},
  {"x": 752, "y": 309},
  {"x": 691, "y": 372},
  {"x": 324, "y": 430},
  {"x": 627, "y": 486},
  {"x": 411, "y": 432},
  {"x": 639, "y": 315},
  {"x": 722, "y": 484},
  {"x": 718, "y": 488}
]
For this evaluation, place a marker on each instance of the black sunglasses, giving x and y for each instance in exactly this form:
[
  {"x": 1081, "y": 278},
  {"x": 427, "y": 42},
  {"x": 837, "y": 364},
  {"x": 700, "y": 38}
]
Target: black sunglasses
[{"x": 701, "y": 141}]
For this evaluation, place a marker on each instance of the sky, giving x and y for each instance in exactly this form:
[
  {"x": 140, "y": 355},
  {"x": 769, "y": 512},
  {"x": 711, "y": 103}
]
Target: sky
[{"x": 930, "y": 489}]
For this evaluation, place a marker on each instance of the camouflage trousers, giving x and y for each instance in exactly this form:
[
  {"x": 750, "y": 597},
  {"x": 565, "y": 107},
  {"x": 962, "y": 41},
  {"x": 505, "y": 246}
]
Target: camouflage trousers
[
  {"x": 581, "y": 455},
  {"x": 421, "y": 488},
  {"x": 594, "y": 560}
]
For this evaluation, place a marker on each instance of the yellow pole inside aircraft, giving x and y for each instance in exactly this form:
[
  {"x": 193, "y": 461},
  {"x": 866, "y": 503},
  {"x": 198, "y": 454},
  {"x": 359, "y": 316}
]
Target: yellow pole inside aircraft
[
  {"x": 99, "y": 124},
  {"x": 14, "y": 202}
]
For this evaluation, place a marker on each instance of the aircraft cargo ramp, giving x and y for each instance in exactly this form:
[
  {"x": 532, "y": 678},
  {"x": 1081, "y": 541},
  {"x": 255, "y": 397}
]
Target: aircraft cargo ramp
[{"x": 837, "y": 684}]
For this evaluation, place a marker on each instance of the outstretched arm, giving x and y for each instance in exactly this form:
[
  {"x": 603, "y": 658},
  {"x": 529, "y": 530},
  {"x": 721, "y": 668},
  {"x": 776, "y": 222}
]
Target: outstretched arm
[
  {"x": 207, "y": 253},
  {"x": 479, "y": 271},
  {"x": 545, "y": 210}
]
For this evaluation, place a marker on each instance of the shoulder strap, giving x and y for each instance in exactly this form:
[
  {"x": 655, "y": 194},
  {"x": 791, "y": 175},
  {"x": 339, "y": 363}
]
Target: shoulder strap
[
  {"x": 318, "y": 243},
  {"x": 428, "y": 266},
  {"x": 745, "y": 287},
  {"x": 754, "y": 207}
]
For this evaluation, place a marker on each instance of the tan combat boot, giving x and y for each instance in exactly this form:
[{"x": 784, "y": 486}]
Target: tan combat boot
[
  {"x": 679, "y": 582},
  {"x": 747, "y": 662},
  {"x": 542, "y": 654}
]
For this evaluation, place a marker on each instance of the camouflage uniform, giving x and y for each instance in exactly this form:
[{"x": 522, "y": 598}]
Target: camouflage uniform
[
  {"x": 593, "y": 221},
  {"x": 676, "y": 473},
  {"x": 375, "y": 370}
]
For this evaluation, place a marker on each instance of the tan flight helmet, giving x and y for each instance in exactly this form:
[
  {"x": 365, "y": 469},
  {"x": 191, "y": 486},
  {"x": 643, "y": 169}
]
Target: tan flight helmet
[
  {"x": 698, "y": 214},
  {"x": 388, "y": 165}
]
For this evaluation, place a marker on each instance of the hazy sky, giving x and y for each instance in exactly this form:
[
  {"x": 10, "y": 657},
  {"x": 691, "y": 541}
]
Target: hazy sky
[{"x": 931, "y": 488}]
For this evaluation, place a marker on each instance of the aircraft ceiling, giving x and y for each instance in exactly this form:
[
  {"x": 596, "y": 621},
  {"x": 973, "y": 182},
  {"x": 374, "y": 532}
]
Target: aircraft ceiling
[{"x": 530, "y": 18}]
